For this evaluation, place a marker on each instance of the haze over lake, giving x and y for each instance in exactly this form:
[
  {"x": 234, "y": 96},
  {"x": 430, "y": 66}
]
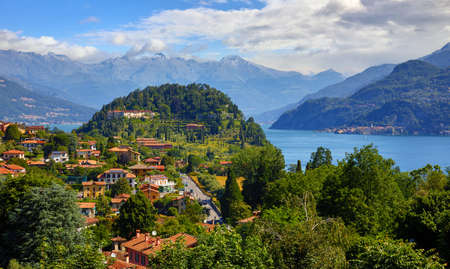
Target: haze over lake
[{"x": 408, "y": 152}]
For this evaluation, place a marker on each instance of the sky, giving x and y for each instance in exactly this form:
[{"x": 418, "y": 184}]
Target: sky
[{"x": 307, "y": 36}]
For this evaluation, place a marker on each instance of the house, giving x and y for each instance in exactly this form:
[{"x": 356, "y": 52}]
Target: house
[
  {"x": 59, "y": 156},
  {"x": 180, "y": 202},
  {"x": 112, "y": 175},
  {"x": 226, "y": 163},
  {"x": 142, "y": 169},
  {"x": 88, "y": 153},
  {"x": 126, "y": 154},
  {"x": 5, "y": 173},
  {"x": 89, "y": 144},
  {"x": 36, "y": 163},
  {"x": 93, "y": 189},
  {"x": 16, "y": 169},
  {"x": 32, "y": 130},
  {"x": 30, "y": 145},
  {"x": 88, "y": 164},
  {"x": 4, "y": 126},
  {"x": 8, "y": 155},
  {"x": 164, "y": 185},
  {"x": 117, "y": 114},
  {"x": 150, "y": 191},
  {"x": 118, "y": 201},
  {"x": 193, "y": 126},
  {"x": 153, "y": 161},
  {"x": 87, "y": 209},
  {"x": 142, "y": 245}
]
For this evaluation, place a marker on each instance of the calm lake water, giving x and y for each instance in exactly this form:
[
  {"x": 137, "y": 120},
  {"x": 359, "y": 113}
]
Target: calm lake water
[{"x": 408, "y": 152}]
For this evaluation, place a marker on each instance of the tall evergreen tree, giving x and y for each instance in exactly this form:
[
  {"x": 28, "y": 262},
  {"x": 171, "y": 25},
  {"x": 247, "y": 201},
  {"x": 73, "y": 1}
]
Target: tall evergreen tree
[
  {"x": 298, "y": 169},
  {"x": 232, "y": 202}
]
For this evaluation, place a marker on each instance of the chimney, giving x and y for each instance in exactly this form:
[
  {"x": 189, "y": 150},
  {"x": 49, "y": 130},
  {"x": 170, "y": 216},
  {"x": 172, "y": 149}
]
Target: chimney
[{"x": 138, "y": 232}]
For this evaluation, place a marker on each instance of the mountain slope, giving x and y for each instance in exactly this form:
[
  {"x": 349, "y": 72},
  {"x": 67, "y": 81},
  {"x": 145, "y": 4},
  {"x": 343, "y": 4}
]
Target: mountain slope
[
  {"x": 440, "y": 58},
  {"x": 342, "y": 89},
  {"x": 253, "y": 87},
  {"x": 22, "y": 105},
  {"x": 415, "y": 97}
]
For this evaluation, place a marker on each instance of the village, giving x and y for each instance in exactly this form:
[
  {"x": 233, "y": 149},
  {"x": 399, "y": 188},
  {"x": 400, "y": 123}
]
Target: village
[{"x": 114, "y": 171}]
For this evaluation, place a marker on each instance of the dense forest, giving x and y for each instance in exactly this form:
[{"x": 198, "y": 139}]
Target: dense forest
[
  {"x": 414, "y": 97},
  {"x": 175, "y": 106}
]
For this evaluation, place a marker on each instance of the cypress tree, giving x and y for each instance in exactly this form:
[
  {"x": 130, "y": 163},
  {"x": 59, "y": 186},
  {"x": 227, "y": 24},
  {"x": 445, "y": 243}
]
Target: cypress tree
[
  {"x": 299, "y": 167},
  {"x": 231, "y": 195}
]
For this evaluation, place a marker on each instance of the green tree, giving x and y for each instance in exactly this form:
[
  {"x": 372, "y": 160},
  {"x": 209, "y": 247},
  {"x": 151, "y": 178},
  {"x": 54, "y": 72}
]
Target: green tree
[
  {"x": 103, "y": 206},
  {"x": 12, "y": 133},
  {"x": 428, "y": 222},
  {"x": 221, "y": 249},
  {"x": 259, "y": 166},
  {"x": 232, "y": 202},
  {"x": 363, "y": 192},
  {"x": 120, "y": 186},
  {"x": 43, "y": 215},
  {"x": 136, "y": 214},
  {"x": 388, "y": 253},
  {"x": 322, "y": 156}
]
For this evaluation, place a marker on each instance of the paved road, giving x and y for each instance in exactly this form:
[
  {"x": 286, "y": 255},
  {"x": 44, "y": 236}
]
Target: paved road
[{"x": 203, "y": 199}]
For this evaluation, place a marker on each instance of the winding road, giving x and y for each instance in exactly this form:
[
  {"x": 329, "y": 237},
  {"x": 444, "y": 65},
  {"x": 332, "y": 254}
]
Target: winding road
[{"x": 203, "y": 199}]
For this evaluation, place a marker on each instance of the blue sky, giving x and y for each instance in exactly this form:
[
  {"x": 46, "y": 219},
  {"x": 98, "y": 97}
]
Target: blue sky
[{"x": 301, "y": 35}]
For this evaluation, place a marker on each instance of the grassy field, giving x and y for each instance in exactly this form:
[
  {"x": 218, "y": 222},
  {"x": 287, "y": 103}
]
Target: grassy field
[{"x": 222, "y": 180}]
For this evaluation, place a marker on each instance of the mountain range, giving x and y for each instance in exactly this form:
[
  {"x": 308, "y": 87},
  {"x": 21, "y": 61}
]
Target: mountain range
[
  {"x": 439, "y": 58},
  {"x": 413, "y": 100},
  {"x": 23, "y": 105},
  {"x": 253, "y": 87}
]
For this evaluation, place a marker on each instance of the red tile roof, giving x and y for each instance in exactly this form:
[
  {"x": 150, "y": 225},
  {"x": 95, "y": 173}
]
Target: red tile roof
[
  {"x": 4, "y": 171},
  {"x": 86, "y": 205},
  {"x": 89, "y": 183},
  {"x": 147, "y": 244},
  {"x": 14, "y": 151}
]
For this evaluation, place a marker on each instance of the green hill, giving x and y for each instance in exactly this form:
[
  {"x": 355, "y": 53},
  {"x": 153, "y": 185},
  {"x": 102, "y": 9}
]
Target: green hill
[
  {"x": 22, "y": 105},
  {"x": 414, "y": 98},
  {"x": 175, "y": 106}
]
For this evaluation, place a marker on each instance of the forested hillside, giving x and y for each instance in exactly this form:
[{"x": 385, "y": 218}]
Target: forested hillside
[
  {"x": 23, "y": 105},
  {"x": 175, "y": 106},
  {"x": 415, "y": 98}
]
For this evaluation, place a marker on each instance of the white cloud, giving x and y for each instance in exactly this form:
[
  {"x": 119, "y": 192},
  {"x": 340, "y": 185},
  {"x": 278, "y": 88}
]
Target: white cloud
[
  {"x": 43, "y": 45},
  {"x": 305, "y": 35},
  {"x": 91, "y": 19}
]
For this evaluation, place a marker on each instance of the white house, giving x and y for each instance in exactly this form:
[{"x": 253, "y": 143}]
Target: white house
[
  {"x": 164, "y": 185},
  {"x": 59, "y": 156}
]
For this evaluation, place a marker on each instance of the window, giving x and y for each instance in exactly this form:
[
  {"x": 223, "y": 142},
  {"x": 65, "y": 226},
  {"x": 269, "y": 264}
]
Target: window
[{"x": 137, "y": 258}]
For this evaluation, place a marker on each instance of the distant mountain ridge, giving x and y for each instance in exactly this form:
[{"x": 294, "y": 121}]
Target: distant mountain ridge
[
  {"x": 414, "y": 98},
  {"x": 439, "y": 58},
  {"x": 253, "y": 87},
  {"x": 19, "y": 104}
]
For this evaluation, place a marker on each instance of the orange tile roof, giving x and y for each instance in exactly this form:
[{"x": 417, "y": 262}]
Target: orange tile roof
[
  {"x": 90, "y": 221},
  {"x": 86, "y": 205},
  {"x": 31, "y": 163},
  {"x": 89, "y": 183},
  {"x": 147, "y": 244},
  {"x": 14, "y": 167},
  {"x": 32, "y": 142},
  {"x": 4, "y": 171},
  {"x": 118, "y": 264},
  {"x": 123, "y": 195},
  {"x": 14, "y": 151}
]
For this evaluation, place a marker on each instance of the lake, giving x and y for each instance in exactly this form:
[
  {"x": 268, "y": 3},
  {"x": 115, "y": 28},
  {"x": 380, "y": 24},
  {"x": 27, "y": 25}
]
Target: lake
[{"x": 408, "y": 152}]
